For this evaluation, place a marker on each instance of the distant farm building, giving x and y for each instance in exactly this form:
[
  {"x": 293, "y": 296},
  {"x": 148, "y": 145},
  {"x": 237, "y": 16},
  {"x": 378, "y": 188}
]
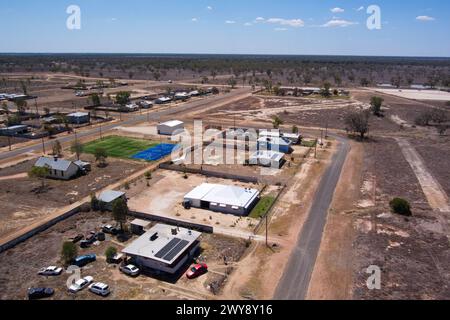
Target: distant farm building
[
  {"x": 168, "y": 128},
  {"x": 295, "y": 138},
  {"x": 221, "y": 198},
  {"x": 164, "y": 248}
]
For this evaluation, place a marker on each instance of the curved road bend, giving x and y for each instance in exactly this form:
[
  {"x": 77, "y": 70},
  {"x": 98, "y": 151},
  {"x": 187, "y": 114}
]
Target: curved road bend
[
  {"x": 297, "y": 273},
  {"x": 137, "y": 119}
]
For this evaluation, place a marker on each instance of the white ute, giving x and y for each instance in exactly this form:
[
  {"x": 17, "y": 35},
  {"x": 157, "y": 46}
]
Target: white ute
[{"x": 81, "y": 284}]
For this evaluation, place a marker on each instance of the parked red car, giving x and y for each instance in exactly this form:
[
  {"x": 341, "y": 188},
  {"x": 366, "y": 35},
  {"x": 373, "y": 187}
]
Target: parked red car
[{"x": 196, "y": 271}]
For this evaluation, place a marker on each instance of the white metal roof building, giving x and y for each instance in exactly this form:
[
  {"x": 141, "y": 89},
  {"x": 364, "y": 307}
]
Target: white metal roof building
[
  {"x": 108, "y": 197},
  {"x": 274, "y": 143},
  {"x": 267, "y": 158},
  {"x": 221, "y": 198},
  {"x": 169, "y": 127},
  {"x": 164, "y": 248},
  {"x": 293, "y": 137}
]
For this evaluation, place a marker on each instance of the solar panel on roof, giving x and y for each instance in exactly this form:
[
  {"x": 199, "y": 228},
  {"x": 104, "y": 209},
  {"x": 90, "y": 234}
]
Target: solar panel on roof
[
  {"x": 161, "y": 253},
  {"x": 177, "y": 249}
]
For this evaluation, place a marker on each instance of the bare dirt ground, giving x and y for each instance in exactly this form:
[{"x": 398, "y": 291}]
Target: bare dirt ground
[
  {"x": 412, "y": 253},
  {"x": 21, "y": 203},
  {"x": 44, "y": 250},
  {"x": 172, "y": 187},
  {"x": 258, "y": 273},
  {"x": 332, "y": 278},
  {"x": 300, "y": 111}
]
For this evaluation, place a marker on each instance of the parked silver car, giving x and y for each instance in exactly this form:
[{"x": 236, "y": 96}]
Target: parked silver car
[
  {"x": 50, "y": 271},
  {"x": 100, "y": 289},
  {"x": 130, "y": 270}
]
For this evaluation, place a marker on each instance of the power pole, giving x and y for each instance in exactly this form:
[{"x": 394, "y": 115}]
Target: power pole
[
  {"x": 9, "y": 140},
  {"x": 43, "y": 145},
  {"x": 101, "y": 131},
  {"x": 36, "y": 106},
  {"x": 315, "y": 149}
]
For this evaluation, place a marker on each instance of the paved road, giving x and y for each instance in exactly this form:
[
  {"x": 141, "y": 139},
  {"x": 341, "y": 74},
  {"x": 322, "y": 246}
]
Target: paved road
[
  {"x": 297, "y": 274},
  {"x": 190, "y": 106}
]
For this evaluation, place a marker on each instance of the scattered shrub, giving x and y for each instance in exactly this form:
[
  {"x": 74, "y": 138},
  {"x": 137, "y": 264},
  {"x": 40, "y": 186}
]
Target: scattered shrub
[{"x": 400, "y": 206}]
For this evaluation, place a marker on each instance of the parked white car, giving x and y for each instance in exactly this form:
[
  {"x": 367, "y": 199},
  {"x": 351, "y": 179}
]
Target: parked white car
[
  {"x": 100, "y": 289},
  {"x": 130, "y": 270},
  {"x": 81, "y": 284},
  {"x": 50, "y": 271}
]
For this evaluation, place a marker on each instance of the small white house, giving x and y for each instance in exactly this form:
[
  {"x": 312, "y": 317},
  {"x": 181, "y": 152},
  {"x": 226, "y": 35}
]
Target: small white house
[
  {"x": 58, "y": 168},
  {"x": 169, "y": 127}
]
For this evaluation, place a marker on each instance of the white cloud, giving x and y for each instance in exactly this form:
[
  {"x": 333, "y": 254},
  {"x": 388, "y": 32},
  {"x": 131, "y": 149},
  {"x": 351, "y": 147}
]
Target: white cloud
[
  {"x": 230, "y": 22},
  {"x": 248, "y": 24},
  {"x": 425, "y": 18},
  {"x": 260, "y": 19},
  {"x": 280, "y": 29},
  {"x": 209, "y": 7},
  {"x": 337, "y": 10},
  {"x": 338, "y": 23},
  {"x": 360, "y": 8},
  {"x": 194, "y": 19},
  {"x": 295, "y": 23}
]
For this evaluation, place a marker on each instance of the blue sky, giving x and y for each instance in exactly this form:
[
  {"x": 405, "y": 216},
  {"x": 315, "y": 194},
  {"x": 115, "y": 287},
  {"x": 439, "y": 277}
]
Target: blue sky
[{"x": 327, "y": 27}]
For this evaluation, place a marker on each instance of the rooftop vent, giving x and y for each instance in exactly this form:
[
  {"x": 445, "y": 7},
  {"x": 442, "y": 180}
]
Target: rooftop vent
[{"x": 154, "y": 236}]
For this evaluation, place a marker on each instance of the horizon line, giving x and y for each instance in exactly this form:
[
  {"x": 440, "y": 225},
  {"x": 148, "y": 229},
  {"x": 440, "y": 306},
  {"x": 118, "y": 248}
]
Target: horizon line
[{"x": 222, "y": 54}]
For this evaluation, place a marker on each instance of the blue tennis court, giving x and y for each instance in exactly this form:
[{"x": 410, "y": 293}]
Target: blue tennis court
[{"x": 155, "y": 153}]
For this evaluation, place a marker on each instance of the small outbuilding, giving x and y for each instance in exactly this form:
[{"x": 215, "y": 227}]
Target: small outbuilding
[
  {"x": 168, "y": 128},
  {"x": 107, "y": 198},
  {"x": 138, "y": 226},
  {"x": 267, "y": 158}
]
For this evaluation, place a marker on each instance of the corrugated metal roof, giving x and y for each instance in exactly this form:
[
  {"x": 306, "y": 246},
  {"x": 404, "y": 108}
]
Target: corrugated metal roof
[
  {"x": 221, "y": 194},
  {"x": 53, "y": 163},
  {"x": 110, "y": 195}
]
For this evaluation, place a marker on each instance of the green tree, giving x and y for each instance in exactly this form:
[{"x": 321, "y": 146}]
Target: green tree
[
  {"x": 400, "y": 206},
  {"x": 325, "y": 92},
  {"x": 95, "y": 98},
  {"x": 100, "y": 155},
  {"x": 69, "y": 252},
  {"x": 110, "y": 253},
  {"x": 277, "y": 122},
  {"x": 13, "y": 120},
  {"x": 57, "y": 148},
  {"x": 95, "y": 203},
  {"x": 376, "y": 104},
  {"x": 21, "y": 106},
  {"x": 358, "y": 121},
  {"x": 24, "y": 87},
  {"x": 232, "y": 82},
  {"x": 77, "y": 148},
  {"x": 123, "y": 97},
  {"x": 120, "y": 211},
  {"x": 39, "y": 173},
  {"x": 5, "y": 108},
  {"x": 295, "y": 129}
]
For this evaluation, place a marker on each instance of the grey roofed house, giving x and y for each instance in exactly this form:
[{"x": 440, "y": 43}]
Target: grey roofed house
[
  {"x": 164, "y": 248},
  {"x": 58, "y": 168}
]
